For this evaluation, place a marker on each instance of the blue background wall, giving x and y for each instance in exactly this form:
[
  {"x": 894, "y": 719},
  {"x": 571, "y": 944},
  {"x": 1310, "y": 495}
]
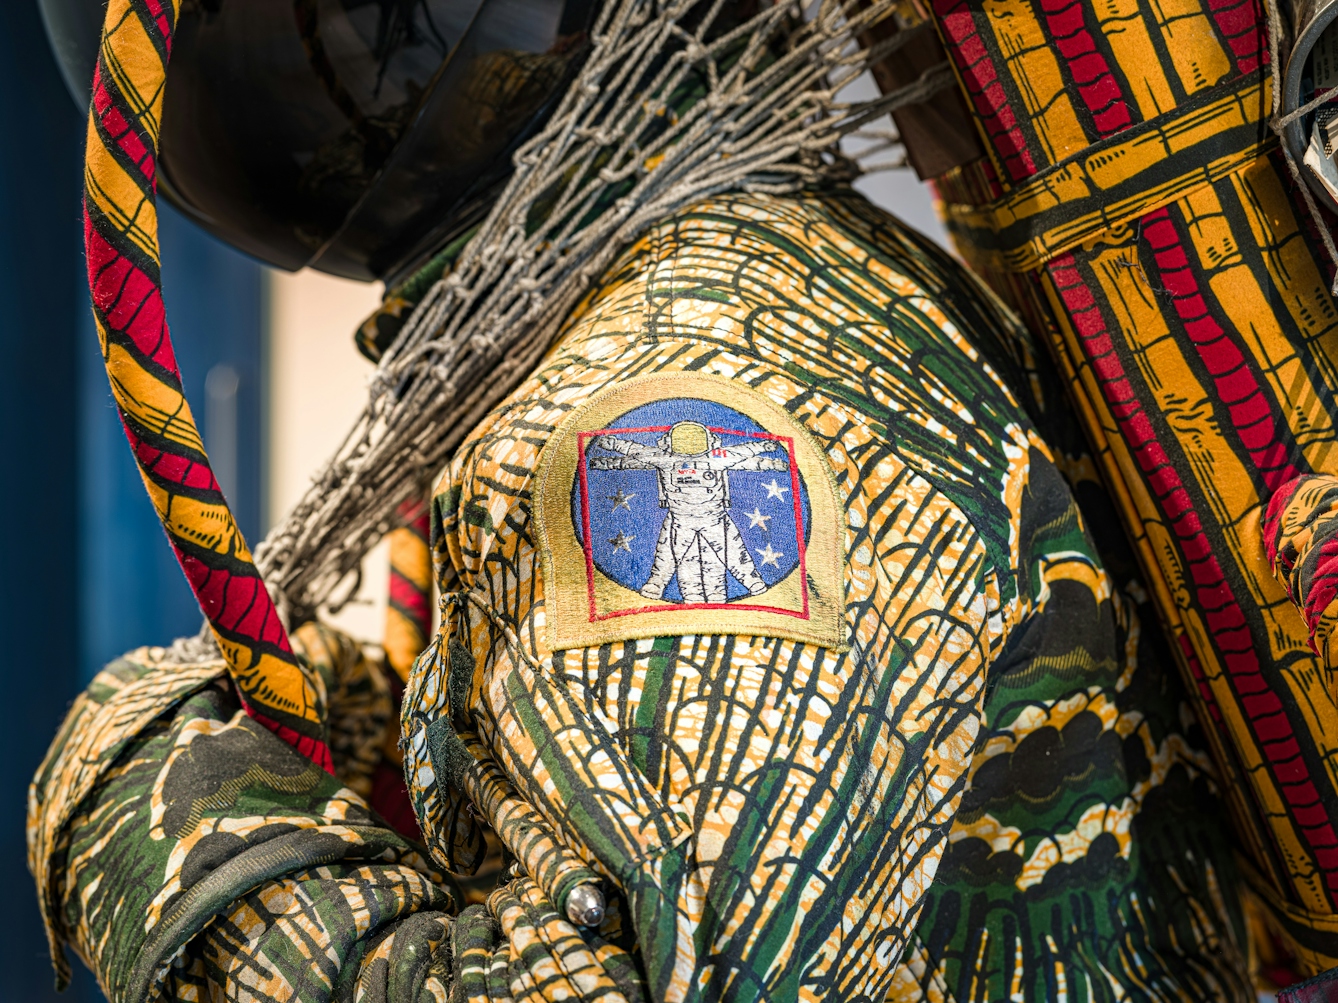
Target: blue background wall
[
  {"x": 86, "y": 572},
  {"x": 40, "y": 309}
]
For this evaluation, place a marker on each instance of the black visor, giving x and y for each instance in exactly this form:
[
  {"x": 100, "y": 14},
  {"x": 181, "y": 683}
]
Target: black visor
[{"x": 354, "y": 136}]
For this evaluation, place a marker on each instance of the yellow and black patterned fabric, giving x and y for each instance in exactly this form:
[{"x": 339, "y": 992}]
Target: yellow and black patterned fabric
[
  {"x": 990, "y": 787},
  {"x": 1135, "y": 209},
  {"x": 125, "y": 285}
]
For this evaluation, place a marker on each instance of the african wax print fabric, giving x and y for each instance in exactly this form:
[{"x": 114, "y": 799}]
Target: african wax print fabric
[
  {"x": 162, "y": 804},
  {"x": 184, "y": 852},
  {"x": 996, "y": 791},
  {"x": 408, "y": 624},
  {"x": 701, "y": 449},
  {"x": 125, "y": 284},
  {"x": 409, "y": 603},
  {"x": 1136, "y": 211}
]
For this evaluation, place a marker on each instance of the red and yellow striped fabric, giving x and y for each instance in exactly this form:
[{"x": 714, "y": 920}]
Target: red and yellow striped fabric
[
  {"x": 409, "y": 606},
  {"x": 1135, "y": 208},
  {"x": 1301, "y": 537},
  {"x": 408, "y": 625},
  {"x": 121, "y": 240}
]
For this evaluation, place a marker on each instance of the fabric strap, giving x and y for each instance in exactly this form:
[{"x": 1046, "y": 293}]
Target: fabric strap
[
  {"x": 121, "y": 241},
  {"x": 409, "y": 605}
]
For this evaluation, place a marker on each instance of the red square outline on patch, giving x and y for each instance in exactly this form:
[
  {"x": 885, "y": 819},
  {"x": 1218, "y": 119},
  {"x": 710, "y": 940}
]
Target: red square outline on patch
[{"x": 586, "y": 540}]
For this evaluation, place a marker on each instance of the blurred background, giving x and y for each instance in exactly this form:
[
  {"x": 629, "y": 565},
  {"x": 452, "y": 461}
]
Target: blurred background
[{"x": 272, "y": 374}]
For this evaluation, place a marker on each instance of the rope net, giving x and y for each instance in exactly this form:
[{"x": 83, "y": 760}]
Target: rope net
[{"x": 622, "y": 150}]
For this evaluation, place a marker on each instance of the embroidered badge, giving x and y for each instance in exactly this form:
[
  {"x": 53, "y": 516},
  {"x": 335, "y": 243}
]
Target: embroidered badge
[{"x": 680, "y": 503}]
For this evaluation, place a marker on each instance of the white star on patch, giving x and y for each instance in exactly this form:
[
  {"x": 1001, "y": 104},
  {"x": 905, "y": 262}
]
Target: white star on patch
[
  {"x": 620, "y": 500},
  {"x": 622, "y": 541},
  {"x": 770, "y": 556},
  {"x": 774, "y": 490},
  {"x": 756, "y": 518}
]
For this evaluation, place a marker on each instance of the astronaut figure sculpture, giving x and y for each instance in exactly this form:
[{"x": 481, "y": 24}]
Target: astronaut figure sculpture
[{"x": 788, "y": 647}]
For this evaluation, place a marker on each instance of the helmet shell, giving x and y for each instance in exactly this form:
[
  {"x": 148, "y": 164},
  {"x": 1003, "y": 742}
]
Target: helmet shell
[{"x": 354, "y": 136}]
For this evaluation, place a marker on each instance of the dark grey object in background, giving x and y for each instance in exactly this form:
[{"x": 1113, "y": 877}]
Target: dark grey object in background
[{"x": 354, "y": 136}]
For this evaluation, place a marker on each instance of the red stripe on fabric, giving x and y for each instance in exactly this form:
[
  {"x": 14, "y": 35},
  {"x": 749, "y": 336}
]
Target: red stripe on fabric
[
  {"x": 130, "y": 302},
  {"x": 1228, "y": 628},
  {"x": 412, "y": 600},
  {"x": 1238, "y": 386},
  {"x": 159, "y": 14},
  {"x": 122, "y": 132},
  {"x": 986, "y": 93},
  {"x": 412, "y": 510},
  {"x": 1096, "y": 85},
  {"x": 1311, "y": 817},
  {"x": 171, "y": 467},
  {"x": 1274, "y": 729},
  {"x": 1201, "y": 680},
  {"x": 238, "y": 604},
  {"x": 1242, "y": 25},
  {"x": 414, "y": 515}
]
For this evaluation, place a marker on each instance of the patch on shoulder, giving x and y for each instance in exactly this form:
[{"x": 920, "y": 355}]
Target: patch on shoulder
[{"x": 682, "y": 503}]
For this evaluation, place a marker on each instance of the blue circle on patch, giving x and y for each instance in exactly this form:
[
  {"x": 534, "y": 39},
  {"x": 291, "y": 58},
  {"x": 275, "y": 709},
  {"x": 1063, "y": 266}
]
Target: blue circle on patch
[{"x": 690, "y": 501}]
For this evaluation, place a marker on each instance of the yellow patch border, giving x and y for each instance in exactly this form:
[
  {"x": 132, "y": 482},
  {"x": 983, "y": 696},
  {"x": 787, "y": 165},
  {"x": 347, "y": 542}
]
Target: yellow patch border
[{"x": 568, "y": 592}]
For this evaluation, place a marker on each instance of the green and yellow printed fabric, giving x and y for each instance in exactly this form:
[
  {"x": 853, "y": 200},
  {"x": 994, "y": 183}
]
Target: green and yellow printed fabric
[
  {"x": 1135, "y": 209},
  {"x": 177, "y": 843},
  {"x": 990, "y": 786}
]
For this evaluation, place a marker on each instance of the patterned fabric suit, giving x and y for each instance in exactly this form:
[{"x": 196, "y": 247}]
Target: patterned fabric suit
[
  {"x": 1135, "y": 209},
  {"x": 988, "y": 786}
]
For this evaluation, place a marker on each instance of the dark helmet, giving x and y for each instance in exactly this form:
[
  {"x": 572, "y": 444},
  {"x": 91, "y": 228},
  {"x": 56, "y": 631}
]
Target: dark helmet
[{"x": 354, "y": 136}]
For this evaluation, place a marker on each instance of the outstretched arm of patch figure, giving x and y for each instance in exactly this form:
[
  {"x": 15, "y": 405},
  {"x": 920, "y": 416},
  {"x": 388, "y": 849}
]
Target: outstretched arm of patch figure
[
  {"x": 760, "y": 463},
  {"x": 634, "y": 455},
  {"x": 745, "y": 450},
  {"x": 747, "y": 456},
  {"x": 620, "y": 463},
  {"x": 631, "y": 448}
]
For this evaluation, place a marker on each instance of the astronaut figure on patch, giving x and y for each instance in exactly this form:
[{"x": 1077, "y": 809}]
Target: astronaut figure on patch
[{"x": 698, "y": 541}]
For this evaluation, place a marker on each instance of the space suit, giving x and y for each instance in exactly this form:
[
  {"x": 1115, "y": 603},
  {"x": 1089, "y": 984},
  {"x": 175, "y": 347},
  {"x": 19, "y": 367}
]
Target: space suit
[{"x": 906, "y": 735}]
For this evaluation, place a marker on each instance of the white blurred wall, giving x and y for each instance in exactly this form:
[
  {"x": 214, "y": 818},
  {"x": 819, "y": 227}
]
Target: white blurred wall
[
  {"x": 901, "y": 193},
  {"x": 318, "y": 379},
  {"x": 317, "y": 387}
]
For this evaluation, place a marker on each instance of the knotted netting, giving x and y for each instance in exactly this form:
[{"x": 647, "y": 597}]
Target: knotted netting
[{"x": 615, "y": 156}]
